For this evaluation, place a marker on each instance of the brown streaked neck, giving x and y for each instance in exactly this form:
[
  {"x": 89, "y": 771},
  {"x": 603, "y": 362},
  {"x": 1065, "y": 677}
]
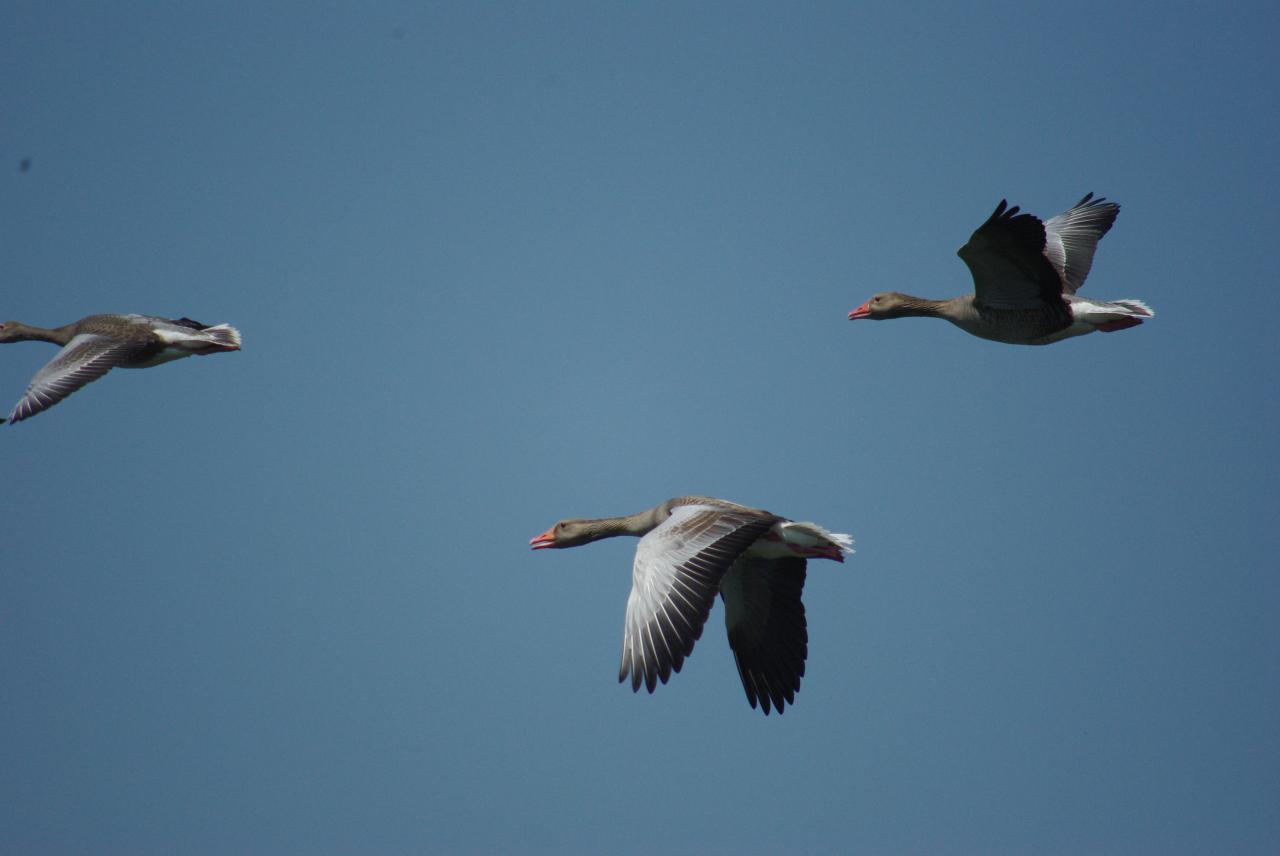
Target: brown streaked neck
[
  {"x": 16, "y": 331},
  {"x": 910, "y": 306},
  {"x": 639, "y": 524}
]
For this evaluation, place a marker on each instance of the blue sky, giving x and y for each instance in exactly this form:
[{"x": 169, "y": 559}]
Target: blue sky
[{"x": 499, "y": 264}]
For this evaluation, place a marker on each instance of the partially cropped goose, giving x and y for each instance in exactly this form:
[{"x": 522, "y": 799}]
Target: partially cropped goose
[
  {"x": 93, "y": 346},
  {"x": 1025, "y": 277},
  {"x": 692, "y": 547}
]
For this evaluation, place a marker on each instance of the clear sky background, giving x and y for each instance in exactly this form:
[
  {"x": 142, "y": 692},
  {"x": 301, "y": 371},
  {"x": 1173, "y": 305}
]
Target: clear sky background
[{"x": 499, "y": 264}]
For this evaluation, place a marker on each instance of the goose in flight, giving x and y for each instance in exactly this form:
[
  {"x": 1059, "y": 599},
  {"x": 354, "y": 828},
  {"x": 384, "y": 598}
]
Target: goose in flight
[
  {"x": 94, "y": 345},
  {"x": 692, "y": 547},
  {"x": 1025, "y": 277}
]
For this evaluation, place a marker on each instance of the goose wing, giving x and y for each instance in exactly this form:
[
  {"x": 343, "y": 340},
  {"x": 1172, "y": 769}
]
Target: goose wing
[
  {"x": 767, "y": 630},
  {"x": 1072, "y": 237},
  {"x": 83, "y": 360},
  {"x": 677, "y": 572},
  {"x": 1007, "y": 260}
]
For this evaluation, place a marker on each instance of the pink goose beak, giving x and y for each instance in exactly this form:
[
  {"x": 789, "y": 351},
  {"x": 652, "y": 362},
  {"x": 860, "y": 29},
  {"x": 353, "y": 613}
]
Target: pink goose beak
[
  {"x": 861, "y": 312},
  {"x": 546, "y": 539}
]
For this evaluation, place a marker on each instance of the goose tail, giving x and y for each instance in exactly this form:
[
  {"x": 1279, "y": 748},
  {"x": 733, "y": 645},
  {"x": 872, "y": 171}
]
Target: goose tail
[
  {"x": 816, "y": 541},
  {"x": 223, "y": 337},
  {"x": 1136, "y": 307}
]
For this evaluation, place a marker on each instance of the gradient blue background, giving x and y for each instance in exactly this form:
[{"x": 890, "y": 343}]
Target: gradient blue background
[{"x": 499, "y": 264}]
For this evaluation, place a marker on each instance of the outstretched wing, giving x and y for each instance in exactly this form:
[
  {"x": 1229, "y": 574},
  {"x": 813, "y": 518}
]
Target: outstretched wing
[
  {"x": 1072, "y": 237},
  {"x": 767, "y": 630},
  {"x": 83, "y": 360},
  {"x": 1007, "y": 260},
  {"x": 674, "y": 581}
]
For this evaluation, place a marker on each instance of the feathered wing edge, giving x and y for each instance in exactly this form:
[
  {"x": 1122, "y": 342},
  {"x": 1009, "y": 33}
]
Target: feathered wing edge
[
  {"x": 1005, "y": 256},
  {"x": 81, "y": 361},
  {"x": 677, "y": 572},
  {"x": 1071, "y": 238}
]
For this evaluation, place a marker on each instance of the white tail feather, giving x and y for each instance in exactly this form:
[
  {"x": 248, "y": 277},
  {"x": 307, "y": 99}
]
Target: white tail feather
[
  {"x": 815, "y": 535},
  {"x": 224, "y": 335},
  {"x": 1138, "y": 307},
  {"x": 1103, "y": 311}
]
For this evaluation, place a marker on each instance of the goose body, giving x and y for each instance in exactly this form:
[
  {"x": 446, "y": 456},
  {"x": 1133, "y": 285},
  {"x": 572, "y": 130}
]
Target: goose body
[
  {"x": 1025, "y": 276},
  {"x": 96, "y": 344},
  {"x": 692, "y": 547}
]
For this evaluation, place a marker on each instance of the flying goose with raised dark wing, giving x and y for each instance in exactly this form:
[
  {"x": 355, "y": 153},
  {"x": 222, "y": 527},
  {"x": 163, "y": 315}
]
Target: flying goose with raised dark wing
[
  {"x": 1025, "y": 277},
  {"x": 692, "y": 547},
  {"x": 94, "y": 345}
]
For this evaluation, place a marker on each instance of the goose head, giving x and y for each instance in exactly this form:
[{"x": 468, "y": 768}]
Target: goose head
[
  {"x": 886, "y": 304},
  {"x": 567, "y": 533}
]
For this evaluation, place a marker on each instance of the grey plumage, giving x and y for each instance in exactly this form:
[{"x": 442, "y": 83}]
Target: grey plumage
[
  {"x": 692, "y": 547},
  {"x": 1025, "y": 274},
  {"x": 94, "y": 345}
]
